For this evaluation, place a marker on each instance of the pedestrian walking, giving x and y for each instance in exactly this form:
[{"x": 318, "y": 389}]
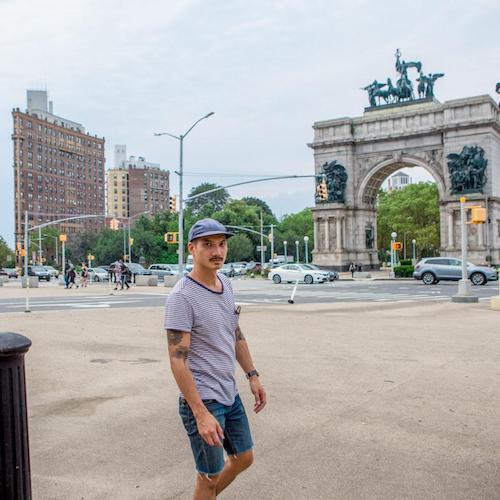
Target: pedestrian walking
[
  {"x": 66, "y": 275},
  {"x": 204, "y": 343},
  {"x": 124, "y": 276},
  {"x": 72, "y": 277},
  {"x": 352, "y": 269},
  {"x": 118, "y": 273},
  {"x": 84, "y": 275}
]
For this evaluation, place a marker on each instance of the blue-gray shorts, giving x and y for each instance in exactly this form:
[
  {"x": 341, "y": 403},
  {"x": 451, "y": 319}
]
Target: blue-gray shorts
[{"x": 237, "y": 437}]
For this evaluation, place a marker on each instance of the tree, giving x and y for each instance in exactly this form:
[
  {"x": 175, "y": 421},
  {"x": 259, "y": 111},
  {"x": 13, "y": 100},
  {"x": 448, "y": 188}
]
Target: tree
[
  {"x": 7, "y": 256},
  {"x": 240, "y": 247},
  {"x": 205, "y": 206},
  {"x": 412, "y": 211},
  {"x": 79, "y": 245},
  {"x": 257, "y": 202},
  {"x": 292, "y": 228}
]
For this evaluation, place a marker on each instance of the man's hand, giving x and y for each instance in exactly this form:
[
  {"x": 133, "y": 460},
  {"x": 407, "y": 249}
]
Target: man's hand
[
  {"x": 209, "y": 429},
  {"x": 259, "y": 394}
]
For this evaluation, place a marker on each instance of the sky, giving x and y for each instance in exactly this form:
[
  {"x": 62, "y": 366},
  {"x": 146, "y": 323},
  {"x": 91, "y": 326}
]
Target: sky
[{"x": 267, "y": 69}]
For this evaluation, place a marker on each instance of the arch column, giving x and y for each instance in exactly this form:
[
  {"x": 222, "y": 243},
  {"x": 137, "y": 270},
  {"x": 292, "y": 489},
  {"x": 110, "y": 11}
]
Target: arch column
[
  {"x": 327, "y": 233},
  {"x": 338, "y": 225}
]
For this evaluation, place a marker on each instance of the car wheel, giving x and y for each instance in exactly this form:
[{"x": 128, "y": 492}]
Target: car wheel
[
  {"x": 428, "y": 278},
  {"x": 97, "y": 279},
  {"x": 277, "y": 279},
  {"x": 308, "y": 279},
  {"x": 478, "y": 279}
]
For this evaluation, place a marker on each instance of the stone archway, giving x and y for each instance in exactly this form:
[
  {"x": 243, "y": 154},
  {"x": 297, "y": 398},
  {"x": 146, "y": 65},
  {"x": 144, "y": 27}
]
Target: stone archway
[{"x": 382, "y": 141}]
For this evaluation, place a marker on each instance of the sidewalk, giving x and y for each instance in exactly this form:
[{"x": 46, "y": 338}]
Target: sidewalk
[{"x": 365, "y": 401}]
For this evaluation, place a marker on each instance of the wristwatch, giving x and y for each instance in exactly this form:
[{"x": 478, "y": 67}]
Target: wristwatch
[{"x": 252, "y": 373}]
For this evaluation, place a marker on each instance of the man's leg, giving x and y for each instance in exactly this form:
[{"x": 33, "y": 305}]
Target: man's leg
[
  {"x": 206, "y": 487},
  {"x": 234, "y": 465}
]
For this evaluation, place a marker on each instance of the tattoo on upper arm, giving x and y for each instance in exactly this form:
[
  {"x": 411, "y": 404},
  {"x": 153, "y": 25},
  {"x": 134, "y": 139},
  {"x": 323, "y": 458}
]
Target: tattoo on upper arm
[
  {"x": 182, "y": 353},
  {"x": 174, "y": 337},
  {"x": 239, "y": 334}
]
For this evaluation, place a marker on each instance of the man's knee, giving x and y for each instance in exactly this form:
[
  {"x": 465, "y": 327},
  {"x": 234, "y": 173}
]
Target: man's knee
[
  {"x": 243, "y": 460},
  {"x": 208, "y": 482}
]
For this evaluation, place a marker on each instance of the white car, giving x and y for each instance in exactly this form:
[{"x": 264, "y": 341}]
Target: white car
[
  {"x": 294, "y": 272},
  {"x": 98, "y": 273}
]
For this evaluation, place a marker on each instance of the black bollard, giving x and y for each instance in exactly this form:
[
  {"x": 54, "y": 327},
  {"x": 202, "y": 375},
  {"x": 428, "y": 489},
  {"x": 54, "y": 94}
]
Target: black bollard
[{"x": 15, "y": 477}]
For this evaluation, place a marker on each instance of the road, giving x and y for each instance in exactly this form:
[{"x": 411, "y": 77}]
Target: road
[{"x": 247, "y": 292}]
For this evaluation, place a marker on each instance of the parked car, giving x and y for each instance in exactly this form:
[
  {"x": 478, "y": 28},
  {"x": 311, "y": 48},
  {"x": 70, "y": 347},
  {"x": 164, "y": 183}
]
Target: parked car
[
  {"x": 54, "y": 273},
  {"x": 11, "y": 272},
  {"x": 162, "y": 270},
  {"x": 137, "y": 269},
  {"x": 434, "y": 269},
  {"x": 3, "y": 272},
  {"x": 294, "y": 272},
  {"x": 332, "y": 275},
  {"x": 40, "y": 272},
  {"x": 99, "y": 273}
]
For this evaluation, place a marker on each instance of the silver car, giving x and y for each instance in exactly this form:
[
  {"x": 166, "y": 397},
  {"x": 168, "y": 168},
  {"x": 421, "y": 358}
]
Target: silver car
[
  {"x": 434, "y": 269},
  {"x": 162, "y": 270}
]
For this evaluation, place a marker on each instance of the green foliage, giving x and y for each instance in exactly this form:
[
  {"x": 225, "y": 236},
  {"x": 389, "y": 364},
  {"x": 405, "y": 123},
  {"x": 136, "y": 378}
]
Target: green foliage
[
  {"x": 403, "y": 271},
  {"x": 240, "y": 247},
  {"x": 292, "y": 228},
  {"x": 205, "y": 206},
  {"x": 414, "y": 211},
  {"x": 405, "y": 262},
  {"x": 80, "y": 245},
  {"x": 257, "y": 202},
  {"x": 5, "y": 252}
]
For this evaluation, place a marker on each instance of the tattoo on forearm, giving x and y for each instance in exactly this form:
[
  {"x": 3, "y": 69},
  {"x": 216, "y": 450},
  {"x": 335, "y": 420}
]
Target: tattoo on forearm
[
  {"x": 239, "y": 334},
  {"x": 182, "y": 353},
  {"x": 174, "y": 337}
]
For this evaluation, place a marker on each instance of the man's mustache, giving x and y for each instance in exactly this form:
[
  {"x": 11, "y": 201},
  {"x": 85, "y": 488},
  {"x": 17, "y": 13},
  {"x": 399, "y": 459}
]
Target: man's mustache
[{"x": 216, "y": 259}]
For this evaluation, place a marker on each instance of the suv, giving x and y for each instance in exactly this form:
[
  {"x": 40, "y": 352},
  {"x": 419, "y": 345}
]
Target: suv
[{"x": 434, "y": 269}]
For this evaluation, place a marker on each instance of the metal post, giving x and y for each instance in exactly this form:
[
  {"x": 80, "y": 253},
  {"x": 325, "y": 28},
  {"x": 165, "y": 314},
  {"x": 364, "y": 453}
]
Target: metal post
[
  {"x": 272, "y": 244},
  {"x": 393, "y": 254},
  {"x": 15, "y": 476},
  {"x": 181, "y": 208},
  {"x": 404, "y": 246},
  {"x": 57, "y": 250},
  {"x": 40, "y": 246},
  {"x": 306, "y": 257},
  {"x": 297, "y": 251},
  {"x": 124, "y": 246},
  {"x": 464, "y": 293},
  {"x": 261, "y": 241},
  {"x": 63, "y": 259},
  {"x": 284, "y": 245},
  {"x": 26, "y": 250},
  {"x": 129, "y": 246}
]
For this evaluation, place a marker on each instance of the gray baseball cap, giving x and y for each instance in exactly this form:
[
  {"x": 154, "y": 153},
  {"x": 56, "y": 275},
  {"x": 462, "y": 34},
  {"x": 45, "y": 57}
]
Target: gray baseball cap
[{"x": 207, "y": 227}]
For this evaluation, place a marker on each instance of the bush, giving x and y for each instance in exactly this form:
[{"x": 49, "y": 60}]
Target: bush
[
  {"x": 403, "y": 271},
  {"x": 406, "y": 262}
]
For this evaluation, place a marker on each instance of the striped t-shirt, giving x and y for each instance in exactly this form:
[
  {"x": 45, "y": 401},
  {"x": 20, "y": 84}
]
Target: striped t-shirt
[{"x": 212, "y": 319}]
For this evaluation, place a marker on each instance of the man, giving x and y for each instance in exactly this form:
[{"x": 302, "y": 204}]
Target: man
[{"x": 204, "y": 343}]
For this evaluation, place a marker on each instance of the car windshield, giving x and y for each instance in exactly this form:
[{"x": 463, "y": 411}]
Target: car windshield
[
  {"x": 38, "y": 268},
  {"x": 100, "y": 270},
  {"x": 174, "y": 267},
  {"x": 49, "y": 268}
]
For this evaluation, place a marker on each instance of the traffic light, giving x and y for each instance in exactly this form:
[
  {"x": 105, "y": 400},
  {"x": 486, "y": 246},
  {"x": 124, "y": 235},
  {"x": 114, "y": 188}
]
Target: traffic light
[
  {"x": 397, "y": 245},
  {"x": 322, "y": 190},
  {"x": 171, "y": 238},
  {"x": 477, "y": 215},
  {"x": 114, "y": 224},
  {"x": 172, "y": 204}
]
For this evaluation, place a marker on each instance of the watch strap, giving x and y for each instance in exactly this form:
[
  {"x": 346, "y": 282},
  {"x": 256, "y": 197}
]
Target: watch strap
[{"x": 252, "y": 373}]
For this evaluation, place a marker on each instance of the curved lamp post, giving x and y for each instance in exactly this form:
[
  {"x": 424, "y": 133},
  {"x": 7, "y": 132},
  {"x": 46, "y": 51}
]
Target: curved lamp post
[
  {"x": 180, "y": 173},
  {"x": 393, "y": 253}
]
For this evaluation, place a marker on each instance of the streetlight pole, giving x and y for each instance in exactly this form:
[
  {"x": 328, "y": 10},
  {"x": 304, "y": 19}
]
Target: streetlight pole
[
  {"x": 261, "y": 241},
  {"x": 181, "y": 138},
  {"x": 285, "y": 243},
  {"x": 297, "y": 250},
  {"x": 414, "y": 251},
  {"x": 272, "y": 244},
  {"x": 464, "y": 285},
  {"x": 393, "y": 253},
  {"x": 306, "y": 239},
  {"x": 40, "y": 256}
]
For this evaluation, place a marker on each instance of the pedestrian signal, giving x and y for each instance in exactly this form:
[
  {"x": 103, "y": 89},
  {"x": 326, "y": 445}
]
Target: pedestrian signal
[
  {"x": 397, "y": 245},
  {"x": 114, "y": 224},
  {"x": 62, "y": 238},
  {"x": 172, "y": 204},
  {"x": 322, "y": 191},
  {"x": 478, "y": 215},
  {"x": 171, "y": 238}
]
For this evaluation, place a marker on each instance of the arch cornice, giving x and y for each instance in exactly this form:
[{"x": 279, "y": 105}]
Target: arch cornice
[{"x": 405, "y": 160}]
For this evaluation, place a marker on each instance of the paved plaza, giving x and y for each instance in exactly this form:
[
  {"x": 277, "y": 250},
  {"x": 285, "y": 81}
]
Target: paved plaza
[{"x": 367, "y": 400}]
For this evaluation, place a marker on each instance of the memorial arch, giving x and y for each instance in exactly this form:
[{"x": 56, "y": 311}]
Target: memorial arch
[{"x": 424, "y": 133}]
